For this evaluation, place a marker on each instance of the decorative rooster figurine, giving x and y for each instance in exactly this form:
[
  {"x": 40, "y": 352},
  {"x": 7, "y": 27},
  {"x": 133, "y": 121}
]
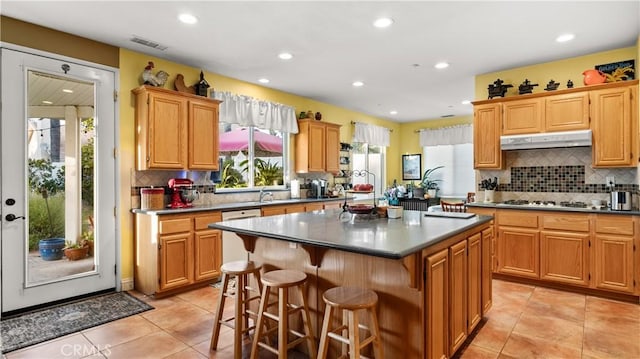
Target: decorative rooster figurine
[{"x": 154, "y": 80}]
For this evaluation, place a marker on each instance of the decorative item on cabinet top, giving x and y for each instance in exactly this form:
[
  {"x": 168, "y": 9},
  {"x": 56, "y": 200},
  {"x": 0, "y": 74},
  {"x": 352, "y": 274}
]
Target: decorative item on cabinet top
[
  {"x": 592, "y": 77},
  {"x": 618, "y": 71},
  {"x": 498, "y": 88},
  {"x": 552, "y": 85},
  {"x": 201, "y": 86},
  {"x": 526, "y": 87},
  {"x": 179, "y": 85},
  {"x": 149, "y": 78}
]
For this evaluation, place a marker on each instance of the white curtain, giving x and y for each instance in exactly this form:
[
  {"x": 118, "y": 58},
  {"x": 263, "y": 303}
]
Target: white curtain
[
  {"x": 249, "y": 111},
  {"x": 454, "y": 135},
  {"x": 371, "y": 134}
]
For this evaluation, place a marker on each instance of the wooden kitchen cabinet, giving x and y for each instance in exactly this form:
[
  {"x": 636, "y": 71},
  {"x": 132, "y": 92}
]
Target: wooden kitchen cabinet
[
  {"x": 317, "y": 147},
  {"x": 615, "y": 126},
  {"x": 564, "y": 248},
  {"x": 475, "y": 276},
  {"x": 437, "y": 298},
  {"x": 566, "y": 112},
  {"x": 613, "y": 255},
  {"x": 284, "y": 209},
  {"x": 487, "y": 262},
  {"x": 487, "y": 122},
  {"x": 523, "y": 116},
  {"x": 518, "y": 244},
  {"x": 175, "y": 130},
  {"x": 458, "y": 295},
  {"x": 176, "y": 252}
]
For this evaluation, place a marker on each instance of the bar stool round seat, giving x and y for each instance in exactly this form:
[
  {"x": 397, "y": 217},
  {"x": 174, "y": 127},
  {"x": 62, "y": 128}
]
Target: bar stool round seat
[
  {"x": 350, "y": 300},
  {"x": 241, "y": 270},
  {"x": 281, "y": 281}
]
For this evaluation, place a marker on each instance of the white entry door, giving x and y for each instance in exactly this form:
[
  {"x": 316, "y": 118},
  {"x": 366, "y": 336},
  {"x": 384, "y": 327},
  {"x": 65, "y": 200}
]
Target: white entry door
[{"x": 58, "y": 182}]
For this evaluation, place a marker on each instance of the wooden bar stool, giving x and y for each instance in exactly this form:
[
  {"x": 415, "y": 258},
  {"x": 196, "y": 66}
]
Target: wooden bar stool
[
  {"x": 241, "y": 270},
  {"x": 282, "y": 280},
  {"x": 350, "y": 300}
]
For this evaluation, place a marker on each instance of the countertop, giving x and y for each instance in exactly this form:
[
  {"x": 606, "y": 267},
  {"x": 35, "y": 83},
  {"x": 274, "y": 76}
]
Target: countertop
[
  {"x": 234, "y": 206},
  {"x": 557, "y": 208},
  {"x": 381, "y": 237}
]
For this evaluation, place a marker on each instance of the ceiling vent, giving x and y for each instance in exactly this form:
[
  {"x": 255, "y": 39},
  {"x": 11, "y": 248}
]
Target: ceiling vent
[
  {"x": 445, "y": 116},
  {"x": 148, "y": 43}
]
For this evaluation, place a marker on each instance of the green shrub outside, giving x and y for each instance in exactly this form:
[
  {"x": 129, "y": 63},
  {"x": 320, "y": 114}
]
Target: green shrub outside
[{"x": 39, "y": 226}]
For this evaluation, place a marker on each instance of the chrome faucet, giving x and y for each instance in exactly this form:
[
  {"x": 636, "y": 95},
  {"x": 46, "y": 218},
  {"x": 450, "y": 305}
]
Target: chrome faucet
[{"x": 264, "y": 194}]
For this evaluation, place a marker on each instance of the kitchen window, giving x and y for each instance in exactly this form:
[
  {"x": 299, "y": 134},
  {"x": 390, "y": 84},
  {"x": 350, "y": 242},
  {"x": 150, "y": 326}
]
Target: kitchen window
[
  {"x": 250, "y": 157},
  {"x": 457, "y": 176},
  {"x": 372, "y": 159}
]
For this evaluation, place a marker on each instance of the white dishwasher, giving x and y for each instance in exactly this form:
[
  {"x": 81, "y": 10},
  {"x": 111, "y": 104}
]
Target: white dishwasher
[{"x": 232, "y": 245}]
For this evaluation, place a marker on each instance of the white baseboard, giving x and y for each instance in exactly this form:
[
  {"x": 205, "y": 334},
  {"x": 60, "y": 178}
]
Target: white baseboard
[{"x": 126, "y": 284}]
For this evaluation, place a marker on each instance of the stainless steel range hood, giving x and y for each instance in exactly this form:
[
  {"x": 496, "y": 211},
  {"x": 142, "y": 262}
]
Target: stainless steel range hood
[{"x": 546, "y": 140}]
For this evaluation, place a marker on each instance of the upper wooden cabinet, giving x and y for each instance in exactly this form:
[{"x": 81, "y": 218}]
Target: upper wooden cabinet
[
  {"x": 487, "y": 120},
  {"x": 615, "y": 121},
  {"x": 175, "y": 130},
  {"x": 567, "y": 112},
  {"x": 523, "y": 116},
  {"x": 317, "y": 147}
]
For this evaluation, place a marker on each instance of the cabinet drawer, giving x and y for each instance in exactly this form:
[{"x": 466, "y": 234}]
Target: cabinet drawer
[
  {"x": 202, "y": 222},
  {"x": 614, "y": 225},
  {"x": 578, "y": 223},
  {"x": 517, "y": 219},
  {"x": 176, "y": 225}
]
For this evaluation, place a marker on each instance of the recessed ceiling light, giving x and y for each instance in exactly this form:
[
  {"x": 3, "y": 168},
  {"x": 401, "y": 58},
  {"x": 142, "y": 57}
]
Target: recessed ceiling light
[
  {"x": 358, "y": 84},
  {"x": 188, "y": 19},
  {"x": 441, "y": 65},
  {"x": 383, "y": 22},
  {"x": 263, "y": 81},
  {"x": 47, "y": 102},
  {"x": 67, "y": 90},
  {"x": 285, "y": 56},
  {"x": 393, "y": 112},
  {"x": 466, "y": 102},
  {"x": 565, "y": 37}
]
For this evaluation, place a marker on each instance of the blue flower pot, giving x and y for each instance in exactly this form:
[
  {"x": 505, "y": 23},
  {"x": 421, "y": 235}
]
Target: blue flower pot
[{"x": 51, "y": 248}]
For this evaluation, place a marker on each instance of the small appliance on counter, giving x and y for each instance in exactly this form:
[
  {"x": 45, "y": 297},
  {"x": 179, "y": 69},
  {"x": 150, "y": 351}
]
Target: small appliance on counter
[
  {"x": 318, "y": 188},
  {"x": 295, "y": 188},
  {"x": 152, "y": 198},
  {"x": 183, "y": 193},
  {"x": 620, "y": 201}
]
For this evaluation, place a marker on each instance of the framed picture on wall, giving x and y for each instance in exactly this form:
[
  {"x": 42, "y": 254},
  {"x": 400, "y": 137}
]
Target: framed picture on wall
[{"x": 412, "y": 167}]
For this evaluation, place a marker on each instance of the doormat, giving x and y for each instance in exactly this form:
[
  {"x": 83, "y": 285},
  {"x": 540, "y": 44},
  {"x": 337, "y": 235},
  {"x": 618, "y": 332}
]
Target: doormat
[{"x": 48, "y": 323}]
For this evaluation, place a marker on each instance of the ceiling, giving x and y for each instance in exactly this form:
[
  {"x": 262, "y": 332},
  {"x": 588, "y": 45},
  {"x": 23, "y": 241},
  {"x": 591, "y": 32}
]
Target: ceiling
[{"x": 335, "y": 44}]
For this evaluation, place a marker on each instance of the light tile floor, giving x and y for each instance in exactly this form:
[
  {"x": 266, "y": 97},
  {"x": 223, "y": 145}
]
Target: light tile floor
[{"x": 524, "y": 322}]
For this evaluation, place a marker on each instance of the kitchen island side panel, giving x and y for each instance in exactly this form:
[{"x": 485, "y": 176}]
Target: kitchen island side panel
[{"x": 399, "y": 306}]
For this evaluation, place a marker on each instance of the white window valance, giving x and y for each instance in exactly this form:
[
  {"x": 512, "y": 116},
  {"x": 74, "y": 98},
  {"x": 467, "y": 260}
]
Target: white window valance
[
  {"x": 371, "y": 134},
  {"x": 249, "y": 111},
  {"x": 453, "y": 135}
]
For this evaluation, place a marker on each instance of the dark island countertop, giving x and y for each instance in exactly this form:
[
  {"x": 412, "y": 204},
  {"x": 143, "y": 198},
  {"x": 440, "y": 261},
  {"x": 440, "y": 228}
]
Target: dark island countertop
[
  {"x": 588, "y": 209},
  {"x": 381, "y": 237}
]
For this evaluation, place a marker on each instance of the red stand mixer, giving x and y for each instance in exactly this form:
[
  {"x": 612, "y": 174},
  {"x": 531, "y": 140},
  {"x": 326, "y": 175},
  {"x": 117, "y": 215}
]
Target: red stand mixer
[{"x": 183, "y": 193}]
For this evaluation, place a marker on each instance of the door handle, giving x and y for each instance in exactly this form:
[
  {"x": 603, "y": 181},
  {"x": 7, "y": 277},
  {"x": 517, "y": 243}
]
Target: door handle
[{"x": 12, "y": 217}]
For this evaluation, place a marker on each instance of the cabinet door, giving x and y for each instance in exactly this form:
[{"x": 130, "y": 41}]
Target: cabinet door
[
  {"x": 167, "y": 132},
  {"x": 176, "y": 268},
  {"x": 457, "y": 296},
  {"x": 317, "y": 149},
  {"x": 295, "y": 208},
  {"x": 207, "y": 254},
  {"x": 613, "y": 262},
  {"x": 522, "y": 116},
  {"x": 310, "y": 207},
  {"x": 518, "y": 252},
  {"x": 611, "y": 115},
  {"x": 474, "y": 279},
  {"x": 203, "y": 135},
  {"x": 487, "y": 120},
  {"x": 273, "y": 210},
  {"x": 333, "y": 205},
  {"x": 487, "y": 268},
  {"x": 567, "y": 112},
  {"x": 564, "y": 257},
  {"x": 437, "y": 307},
  {"x": 332, "y": 160}
]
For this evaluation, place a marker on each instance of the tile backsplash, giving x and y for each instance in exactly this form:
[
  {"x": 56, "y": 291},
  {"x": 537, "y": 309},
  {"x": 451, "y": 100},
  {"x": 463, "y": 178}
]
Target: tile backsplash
[{"x": 557, "y": 174}]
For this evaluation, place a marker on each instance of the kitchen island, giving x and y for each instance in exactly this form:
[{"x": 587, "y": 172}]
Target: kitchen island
[{"x": 432, "y": 274}]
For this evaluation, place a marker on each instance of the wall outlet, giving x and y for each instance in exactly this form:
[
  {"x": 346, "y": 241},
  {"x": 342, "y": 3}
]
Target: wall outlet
[{"x": 610, "y": 181}]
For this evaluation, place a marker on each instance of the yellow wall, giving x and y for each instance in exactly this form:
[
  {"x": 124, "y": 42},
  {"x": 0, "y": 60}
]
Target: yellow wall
[{"x": 560, "y": 71}]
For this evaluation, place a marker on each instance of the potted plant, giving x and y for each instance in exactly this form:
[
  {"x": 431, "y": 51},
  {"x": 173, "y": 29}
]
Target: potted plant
[
  {"x": 430, "y": 184},
  {"x": 267, "y": 173},
  {"x": 76, "y": 251},
  {"x": 46, "y": 180}
]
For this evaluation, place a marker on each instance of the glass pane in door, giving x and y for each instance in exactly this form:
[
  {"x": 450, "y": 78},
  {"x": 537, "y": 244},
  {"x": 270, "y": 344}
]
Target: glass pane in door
[{"x": 60, "y": 183}]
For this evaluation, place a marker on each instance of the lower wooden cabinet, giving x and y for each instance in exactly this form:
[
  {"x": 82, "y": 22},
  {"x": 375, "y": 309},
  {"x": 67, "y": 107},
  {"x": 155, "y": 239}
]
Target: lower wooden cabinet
[
  {"x": 519, "y": 252},
  {"x": 456, "y": 290},
  {"x": 564, "y": 257},
  {"x": 176, "y": 252},
  {"x": 614, "y": 253},
  {"x": 488, "y": 250}
]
